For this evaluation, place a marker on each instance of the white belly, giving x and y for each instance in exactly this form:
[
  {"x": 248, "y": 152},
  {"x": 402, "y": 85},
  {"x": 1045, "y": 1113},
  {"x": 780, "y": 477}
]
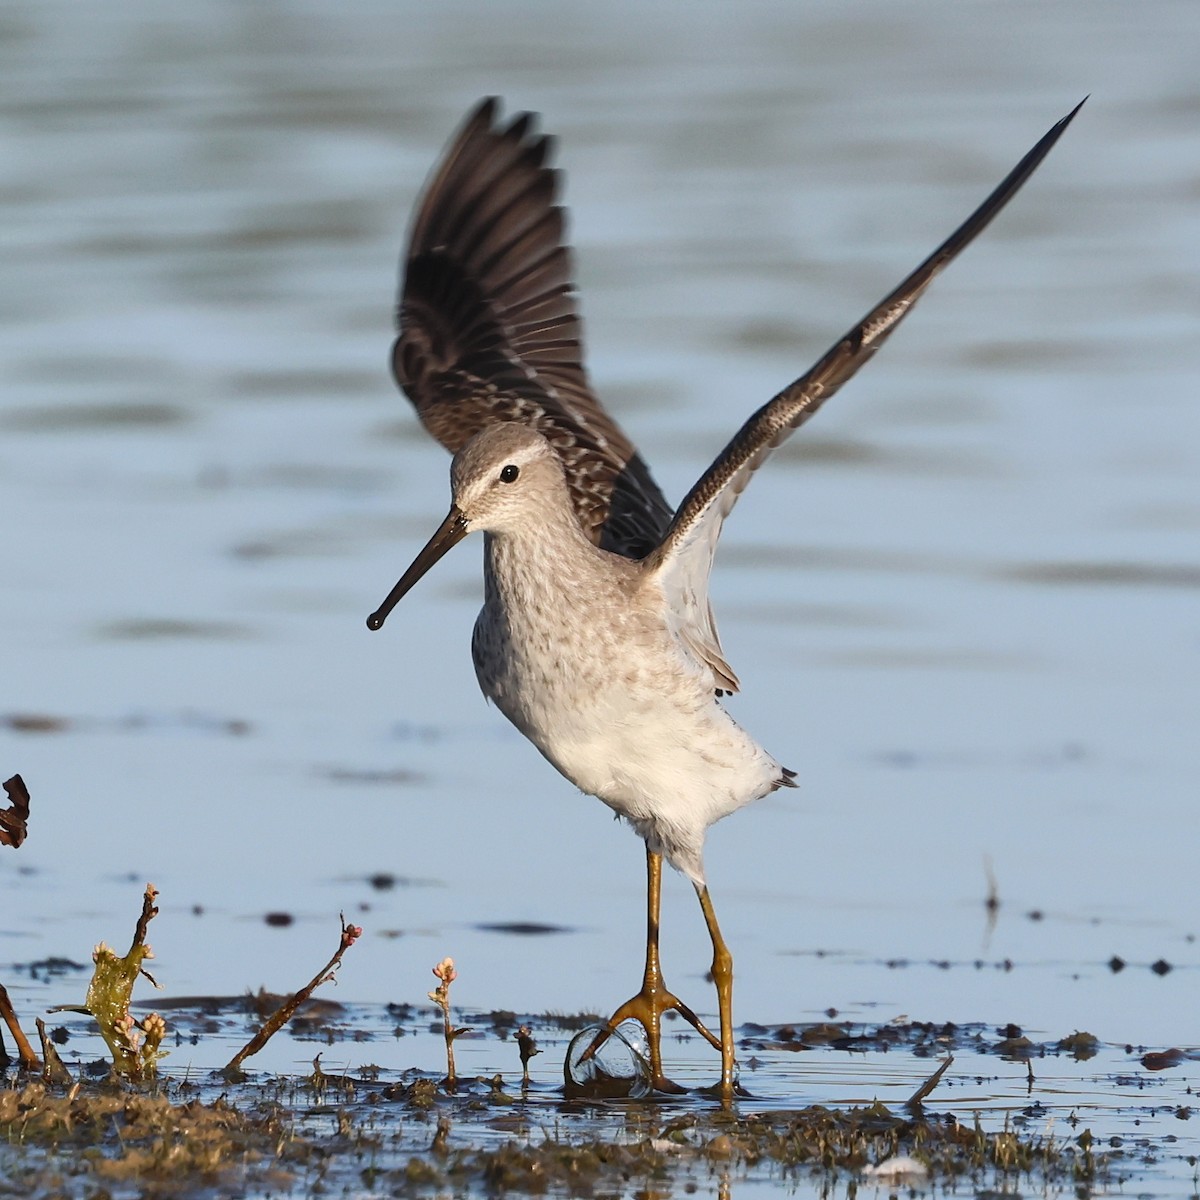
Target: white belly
[{"x": 649, "y": 740}]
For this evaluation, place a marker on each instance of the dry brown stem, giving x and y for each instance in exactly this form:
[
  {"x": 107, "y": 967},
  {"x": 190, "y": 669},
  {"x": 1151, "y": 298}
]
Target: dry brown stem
[
  {"x": 29, "y": 1060},
  {"x": 280, "y": 1017}
]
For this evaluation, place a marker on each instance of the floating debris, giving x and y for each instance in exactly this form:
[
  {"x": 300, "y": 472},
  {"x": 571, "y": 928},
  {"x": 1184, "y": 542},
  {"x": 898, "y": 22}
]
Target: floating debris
[
  {"x": 897, "y": 1169},
  {"x": 14, "y": 819},
  {"x": 1081, "y": 1046},
  {"x": 522, "y": 928},
  {"x": 1161, "y": 1060}
]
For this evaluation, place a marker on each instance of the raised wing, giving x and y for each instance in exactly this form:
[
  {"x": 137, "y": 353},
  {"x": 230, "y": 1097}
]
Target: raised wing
[
  {"x": 489, "y": 330},
  {"x": 682, "y": 562}
]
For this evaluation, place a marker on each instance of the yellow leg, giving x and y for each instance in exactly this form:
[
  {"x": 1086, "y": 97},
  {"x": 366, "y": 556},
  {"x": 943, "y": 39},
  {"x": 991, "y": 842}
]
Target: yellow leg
[
  {"x": 648, "y": 1006},
  {"x": 722, "y": 973}
]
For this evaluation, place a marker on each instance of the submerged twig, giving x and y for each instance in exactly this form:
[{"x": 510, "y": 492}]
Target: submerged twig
[
  {"x": 280, "y": 1017},
  {"x": 439, "y": 1146},
  {"x": 14, "y": 819},
  {"x": 29, "y": 1060},
  {"x": 54, "y": 1071},
  {"x": 915, "y": 1099}
]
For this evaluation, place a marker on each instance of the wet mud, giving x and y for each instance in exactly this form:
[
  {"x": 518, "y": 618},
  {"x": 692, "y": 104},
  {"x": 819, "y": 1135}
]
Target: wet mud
[{"x": 1092, "y": 1116}]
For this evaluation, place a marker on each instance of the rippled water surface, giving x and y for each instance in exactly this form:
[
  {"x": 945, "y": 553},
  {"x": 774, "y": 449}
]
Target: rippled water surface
[{"x": 963, "y": 602}]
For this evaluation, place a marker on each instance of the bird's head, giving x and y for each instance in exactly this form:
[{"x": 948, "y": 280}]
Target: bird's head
[{"x": 503, "y": 477}]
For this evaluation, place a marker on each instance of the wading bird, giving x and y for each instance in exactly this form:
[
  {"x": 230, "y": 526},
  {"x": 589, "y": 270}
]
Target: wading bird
[{"x": 596, "y": 638}]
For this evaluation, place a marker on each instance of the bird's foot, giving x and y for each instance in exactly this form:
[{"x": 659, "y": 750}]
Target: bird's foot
[
  {"x": 647, "y": 1008},
  {"x": 726, "y": 1096}
]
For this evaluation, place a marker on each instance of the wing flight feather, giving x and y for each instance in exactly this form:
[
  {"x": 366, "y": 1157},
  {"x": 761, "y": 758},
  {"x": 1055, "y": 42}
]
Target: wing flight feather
[{"x": 682, "y": 562}]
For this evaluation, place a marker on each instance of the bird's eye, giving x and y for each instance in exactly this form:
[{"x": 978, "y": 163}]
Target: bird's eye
[{"x": 509, "y": 473}]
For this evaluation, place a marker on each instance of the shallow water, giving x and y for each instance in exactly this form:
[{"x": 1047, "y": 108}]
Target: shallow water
[
  {"x": 962, "y": 602},
  {"x": 1102, "y": 1119}
]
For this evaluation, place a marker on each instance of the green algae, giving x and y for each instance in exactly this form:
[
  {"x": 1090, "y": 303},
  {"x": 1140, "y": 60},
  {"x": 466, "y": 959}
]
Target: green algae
[{"x": 134, "y": 1045}]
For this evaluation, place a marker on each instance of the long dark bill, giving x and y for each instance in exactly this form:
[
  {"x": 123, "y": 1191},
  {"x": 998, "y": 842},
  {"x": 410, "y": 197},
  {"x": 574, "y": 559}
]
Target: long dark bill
[{"x": 451, "y": 531}]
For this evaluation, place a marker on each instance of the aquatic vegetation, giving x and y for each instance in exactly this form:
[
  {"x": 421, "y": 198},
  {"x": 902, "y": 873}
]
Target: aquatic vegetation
[
  {"x": 134, "y": 1044},
  {"x": 410, "y": 1141},
  {"x": 110, "y": 1137},
  {"x": 527, "y": 1048},
  {"x": 446, "y": 975}
]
